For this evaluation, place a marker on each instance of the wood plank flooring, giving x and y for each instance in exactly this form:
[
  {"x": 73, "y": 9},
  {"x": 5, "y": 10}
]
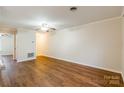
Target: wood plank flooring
[{"x": 48, "y": 72}]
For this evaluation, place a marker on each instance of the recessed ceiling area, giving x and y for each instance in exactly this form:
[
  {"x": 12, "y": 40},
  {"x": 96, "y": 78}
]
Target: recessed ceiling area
[{"x": 58, "y": 17}]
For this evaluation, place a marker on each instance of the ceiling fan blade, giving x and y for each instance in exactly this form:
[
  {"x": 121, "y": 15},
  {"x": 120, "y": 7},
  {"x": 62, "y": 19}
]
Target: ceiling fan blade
[{"x": 52, "y": 28}]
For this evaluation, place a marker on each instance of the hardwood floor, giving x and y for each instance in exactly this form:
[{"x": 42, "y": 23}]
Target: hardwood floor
[{"x": 48, "y": 72}]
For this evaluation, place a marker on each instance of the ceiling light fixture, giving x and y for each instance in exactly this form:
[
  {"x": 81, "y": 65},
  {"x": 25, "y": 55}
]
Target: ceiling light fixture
[
  {"x": 3, "y": 34},
  {"x": 44, "y": 27}
]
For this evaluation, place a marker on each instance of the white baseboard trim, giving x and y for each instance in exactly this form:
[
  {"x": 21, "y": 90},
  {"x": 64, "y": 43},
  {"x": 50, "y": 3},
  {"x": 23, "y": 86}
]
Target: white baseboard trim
[
  {"x": 122, "y": 76},
  {"x": 23, "y": 60},
  {"x": 112, "y": 70}
]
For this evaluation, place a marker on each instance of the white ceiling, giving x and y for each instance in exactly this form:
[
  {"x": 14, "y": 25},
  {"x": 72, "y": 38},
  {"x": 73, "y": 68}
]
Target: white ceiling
[{"x": 57, "y": 16}]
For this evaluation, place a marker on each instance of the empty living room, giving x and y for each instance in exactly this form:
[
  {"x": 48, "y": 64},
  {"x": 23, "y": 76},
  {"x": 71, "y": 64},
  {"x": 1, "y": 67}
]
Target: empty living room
[{"x": 61, "y": 46}]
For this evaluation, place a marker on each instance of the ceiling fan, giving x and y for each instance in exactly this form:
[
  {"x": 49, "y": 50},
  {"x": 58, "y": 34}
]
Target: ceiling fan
[{"x": 45, "y": 28}]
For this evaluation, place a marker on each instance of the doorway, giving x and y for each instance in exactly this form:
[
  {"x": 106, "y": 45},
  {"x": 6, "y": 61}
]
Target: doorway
[
  {"x": 6, "y": 44},
  {"x": 7, "y": 47}
]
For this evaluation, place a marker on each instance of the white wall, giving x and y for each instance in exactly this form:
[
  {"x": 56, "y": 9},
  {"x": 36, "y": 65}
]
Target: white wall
[
  {"x": 7, "y": 43},
  {"x": 96, "y": 44},
  {"x": 26, "y": 40}
]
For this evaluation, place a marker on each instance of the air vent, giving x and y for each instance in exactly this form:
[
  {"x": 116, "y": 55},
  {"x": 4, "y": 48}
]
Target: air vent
[
  {"x": 30, "y": 55},
  {"x": 73, "y": 9}
]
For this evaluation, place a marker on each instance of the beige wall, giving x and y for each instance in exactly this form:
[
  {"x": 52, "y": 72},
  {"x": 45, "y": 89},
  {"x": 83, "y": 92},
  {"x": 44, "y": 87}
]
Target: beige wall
[
  {"x": 122, "y": 47},
  {"x": 38, "y": 44},
  {"x": 4, "y": 29},
  {"x": 0, "y": 44},
  {"x": 96, "y": 44}
]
